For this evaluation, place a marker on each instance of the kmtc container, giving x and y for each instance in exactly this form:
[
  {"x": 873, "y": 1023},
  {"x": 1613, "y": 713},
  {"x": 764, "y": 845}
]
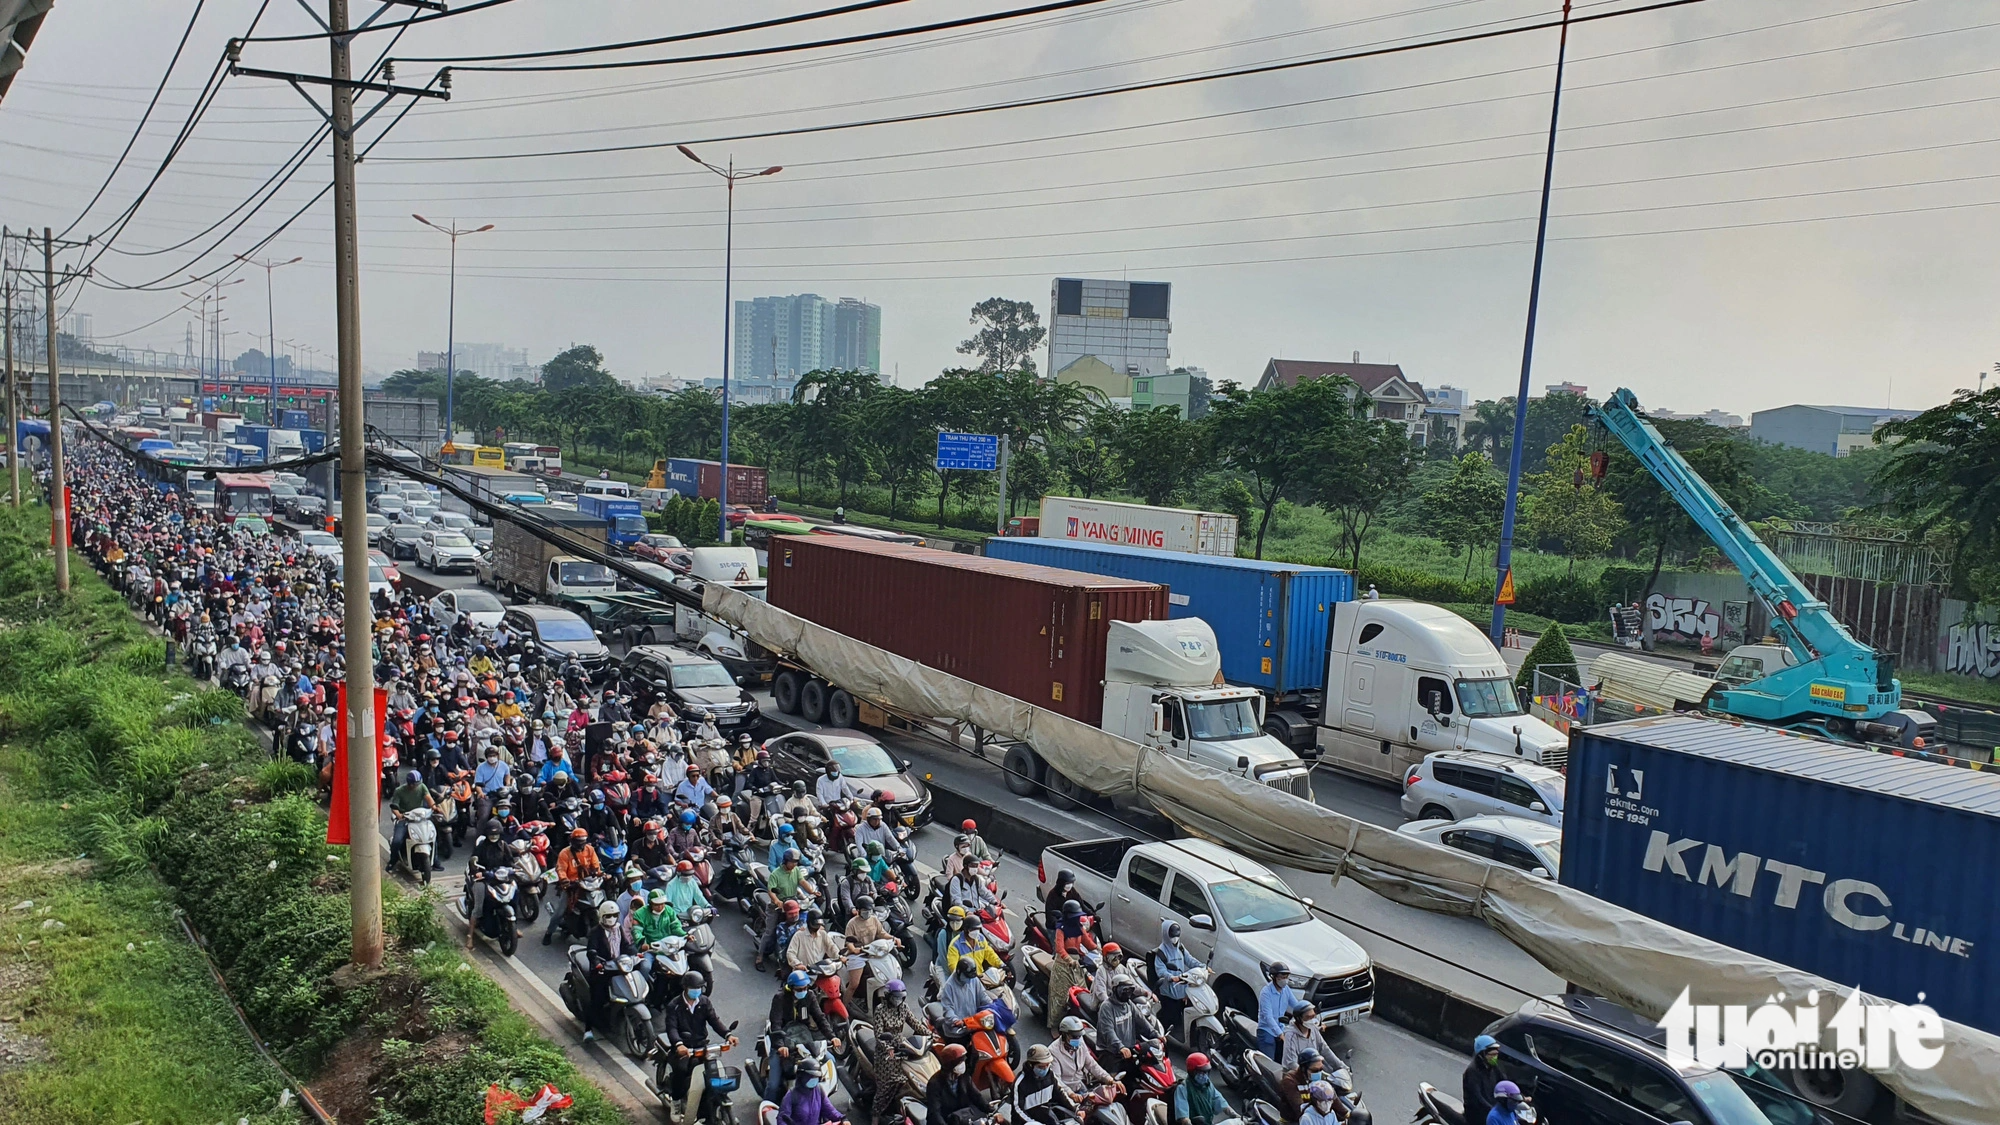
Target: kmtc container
[
  {"x": 1270, "y": 618},
  {"x": 1032, "y": 632},
  {"x": 702, "y": 480},
  {"x": 1863, "y": 867}
]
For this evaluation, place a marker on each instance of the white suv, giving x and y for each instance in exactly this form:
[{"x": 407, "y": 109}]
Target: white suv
[{"x": 1455, "y": 784}]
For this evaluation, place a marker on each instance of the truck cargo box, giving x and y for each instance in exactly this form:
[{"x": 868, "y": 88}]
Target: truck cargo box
[
  {"x": 1033, "y": 632},
  {"x": 702, "y": 480},
  {"x": 1137, "y": 525},
  {"x": 1863, "y": 867},
  {"x": 1269, "y": 618}
]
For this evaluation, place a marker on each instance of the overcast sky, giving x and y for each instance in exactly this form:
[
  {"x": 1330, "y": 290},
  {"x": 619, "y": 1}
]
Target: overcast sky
[{"x": 1757, "y": 202}]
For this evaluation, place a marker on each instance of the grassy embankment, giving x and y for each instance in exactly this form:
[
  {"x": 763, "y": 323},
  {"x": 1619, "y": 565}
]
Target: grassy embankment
[{"x": 127, "y": 794}]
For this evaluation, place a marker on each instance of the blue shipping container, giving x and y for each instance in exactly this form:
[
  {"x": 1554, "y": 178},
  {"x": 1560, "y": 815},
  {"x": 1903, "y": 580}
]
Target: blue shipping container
[
  {"x": 294, "y": 419},
  {"x": 684, "y": 476},
  {"x": 314, "y": 440},
  {"x": 1865, "y": 868},
  {"x": 250, "y": 433},
  {"x": 1270, "y": 618}
]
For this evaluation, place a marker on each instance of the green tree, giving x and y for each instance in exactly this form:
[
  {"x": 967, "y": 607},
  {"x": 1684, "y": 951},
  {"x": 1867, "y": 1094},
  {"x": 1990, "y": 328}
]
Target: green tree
[
  {"x": 580, "y": 366},
  {"x": 1655, "y": 519},
  {"x": 1565, "y": 504},
  {"x": 1490, "y": 428},
  {"x": 1274, "y": 438},
  {"x": 1087, "y": 458},
  {"x": 1463, "y": 510},
  {"x": 1159, "y": 452},
  {"x": 834, "y": 428},
  {"x": 1363, "y": 465},
  {"x": 1028, "y": 478},
  {"x": 1008, "y": 332},
  {"x": 1943, "y": 476}
]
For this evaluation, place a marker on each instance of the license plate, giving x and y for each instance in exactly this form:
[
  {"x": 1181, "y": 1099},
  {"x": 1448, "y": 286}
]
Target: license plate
[{"x": 1355, "y": 1015}]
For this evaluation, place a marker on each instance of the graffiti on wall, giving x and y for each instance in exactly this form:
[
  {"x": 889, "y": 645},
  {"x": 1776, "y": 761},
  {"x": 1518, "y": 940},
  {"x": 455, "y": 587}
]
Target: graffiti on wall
[
  {"x": 1972, "y": 648},
  {"x": 1683, "y": 619}
]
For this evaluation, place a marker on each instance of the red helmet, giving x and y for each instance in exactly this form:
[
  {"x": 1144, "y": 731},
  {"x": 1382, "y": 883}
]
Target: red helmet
[
  {"x": 684, "y": 867},
  {"x": 1197, "y": 1061},
  {"x": 951, "y": 1053},
  {"x": 694, "y": 771},
  {"x": 970, "y": 825},
  {"x": 579, "y": 834},
  {"x": 791, "y": 909}
]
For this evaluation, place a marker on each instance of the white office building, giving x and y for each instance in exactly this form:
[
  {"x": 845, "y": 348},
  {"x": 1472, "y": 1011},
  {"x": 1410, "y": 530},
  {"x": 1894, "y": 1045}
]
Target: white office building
[{"x": 1105, "y": 333}]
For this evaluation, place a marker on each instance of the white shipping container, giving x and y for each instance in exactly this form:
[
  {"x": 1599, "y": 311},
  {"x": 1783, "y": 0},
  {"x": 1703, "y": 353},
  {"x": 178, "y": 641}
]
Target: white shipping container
[{"x": 1137, "y": 525}]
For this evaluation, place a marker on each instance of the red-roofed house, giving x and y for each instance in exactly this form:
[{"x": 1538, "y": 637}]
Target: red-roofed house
[{"x": 1397, "y": 397}]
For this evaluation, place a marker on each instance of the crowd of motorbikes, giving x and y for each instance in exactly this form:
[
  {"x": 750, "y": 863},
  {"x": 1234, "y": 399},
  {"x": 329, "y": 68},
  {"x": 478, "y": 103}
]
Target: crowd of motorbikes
[{"x": 633, "y": 831}]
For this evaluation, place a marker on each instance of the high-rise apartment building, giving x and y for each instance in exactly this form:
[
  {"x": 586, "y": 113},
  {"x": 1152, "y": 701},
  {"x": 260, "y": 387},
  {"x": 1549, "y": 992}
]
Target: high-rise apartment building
[
  {"x": 779, "y": 339},
  {"x": 1105, "y": 333}
]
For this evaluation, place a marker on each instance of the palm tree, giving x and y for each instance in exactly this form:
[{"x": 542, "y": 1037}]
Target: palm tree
[{"x": 1491, "y": 427}]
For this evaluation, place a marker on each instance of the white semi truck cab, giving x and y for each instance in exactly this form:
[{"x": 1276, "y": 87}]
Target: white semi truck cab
[
  {"x": 1404, "y": 679},
  {"x": 1163, "y": 688}
]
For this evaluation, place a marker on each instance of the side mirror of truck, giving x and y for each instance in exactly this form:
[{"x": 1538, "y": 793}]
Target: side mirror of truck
[
  {"x": 1159, "y": 717},
  {"x": 1202, "y": 922},
  {"x": 1243, "y": 762},
  {"x": 1537, "y": 806},
  {"x": 1540, "y": 873}
]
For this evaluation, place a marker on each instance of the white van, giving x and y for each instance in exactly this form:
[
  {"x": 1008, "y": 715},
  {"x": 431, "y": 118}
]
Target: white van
[
  {"x": 1405, "y": 679},
  {"x": 607, "y": 488}
]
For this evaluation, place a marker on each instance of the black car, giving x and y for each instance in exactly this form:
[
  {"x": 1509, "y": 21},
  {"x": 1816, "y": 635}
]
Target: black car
[
  {"x": 689, "y": 683},
  {"x": 1586, "y": 1059},
  {"x": 401, "y": 540},
  {"x": 866, "y": 766}
]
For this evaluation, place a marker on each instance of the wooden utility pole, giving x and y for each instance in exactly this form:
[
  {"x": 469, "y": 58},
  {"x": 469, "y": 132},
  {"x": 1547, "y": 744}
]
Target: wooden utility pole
[
  {"x": 58, "y": 482},
  {"x": 364, "y": 842}
]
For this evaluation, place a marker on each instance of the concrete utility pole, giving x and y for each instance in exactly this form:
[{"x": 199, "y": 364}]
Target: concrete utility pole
[
  {"x": 59, "y": 494},
  {"x": 13, "y": 399},
  {"x": 364, "y": 847}
]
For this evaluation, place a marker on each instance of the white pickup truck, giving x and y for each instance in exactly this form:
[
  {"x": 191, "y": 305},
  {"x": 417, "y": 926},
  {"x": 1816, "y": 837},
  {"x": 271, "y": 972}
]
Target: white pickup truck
[{"x": 1234, "y": 914}]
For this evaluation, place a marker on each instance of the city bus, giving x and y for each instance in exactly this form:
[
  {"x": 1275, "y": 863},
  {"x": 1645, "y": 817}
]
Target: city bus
[
  {"x": 489, "y": 457},
  {"x": 245, "y": 497}
]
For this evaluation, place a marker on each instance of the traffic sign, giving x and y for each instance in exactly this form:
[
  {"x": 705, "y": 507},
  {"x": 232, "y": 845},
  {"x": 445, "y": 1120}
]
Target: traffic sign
[
  {"x": 1506, "y": 588},
  {"x": 977, "y": 452}
]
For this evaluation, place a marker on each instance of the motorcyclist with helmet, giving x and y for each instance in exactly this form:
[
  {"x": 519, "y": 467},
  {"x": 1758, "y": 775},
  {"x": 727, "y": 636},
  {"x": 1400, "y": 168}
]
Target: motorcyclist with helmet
[
  {"x": 413, "y": 794},
  {"x": 795, "y": 1015},
  {"x": 688, "y": 1019},
  {"x": 574, "y": 864},
  {"x": 608, "y": 942},
  {"x": 1039, "y": 1096},
  {"x": 1197, "y": 1101}
]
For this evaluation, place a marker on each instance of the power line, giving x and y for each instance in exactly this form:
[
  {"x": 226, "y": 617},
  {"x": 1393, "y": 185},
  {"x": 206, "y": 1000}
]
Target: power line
[
  {"x": 140, "y": 128},
  {"x": 397, "y": 25},
  {"x": 1081, "y": 95},
  {"x": 629, "y": 44}
]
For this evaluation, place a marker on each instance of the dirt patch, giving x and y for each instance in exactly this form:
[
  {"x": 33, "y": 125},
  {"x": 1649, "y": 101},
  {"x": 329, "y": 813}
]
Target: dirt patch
[
  {"x": 53, "y": 869},
  {"x": 19, "y": 1050},
  {"x": 355, "y": 1072}
]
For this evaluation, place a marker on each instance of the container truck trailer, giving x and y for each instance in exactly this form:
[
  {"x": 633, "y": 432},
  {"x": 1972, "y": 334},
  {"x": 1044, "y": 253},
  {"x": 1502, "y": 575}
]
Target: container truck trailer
[
  {"x": 1137, "y": 525},
  {"x": 1099, "y": 650}
]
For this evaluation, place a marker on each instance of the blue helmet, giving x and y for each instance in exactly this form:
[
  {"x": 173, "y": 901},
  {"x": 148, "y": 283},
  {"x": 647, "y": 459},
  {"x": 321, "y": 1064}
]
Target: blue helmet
[
  {"x": 786, "y": 830},
  {"x": 1481, "y": 1044},
  {"x": 688, "y": 818},
  {"x": 798, "y": 979},
  {"x": 791, "y": 856}
]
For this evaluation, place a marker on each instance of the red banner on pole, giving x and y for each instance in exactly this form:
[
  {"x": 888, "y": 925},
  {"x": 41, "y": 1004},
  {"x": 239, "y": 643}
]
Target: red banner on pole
[
  {"x": 336, "y": 815},
  {"x": 58, "y": 518}
]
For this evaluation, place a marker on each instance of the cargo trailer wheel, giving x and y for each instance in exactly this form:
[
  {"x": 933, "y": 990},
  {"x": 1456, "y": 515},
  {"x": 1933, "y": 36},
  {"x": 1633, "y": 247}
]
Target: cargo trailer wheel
[
  {"x": 1064, "y": 793},
  {"x": 812, "y": 701},
  {"x": 785, "y": 691},
  {"x": 1023, "y": 768},
  {"x": 841, "y": 710}
]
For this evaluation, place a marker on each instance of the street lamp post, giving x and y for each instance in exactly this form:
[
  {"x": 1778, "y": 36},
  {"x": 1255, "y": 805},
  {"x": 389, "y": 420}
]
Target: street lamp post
[
  {"x": 271, "y": 323},
  {"x": 729, "y": 176},
  {"x": 450, "y": 317}
]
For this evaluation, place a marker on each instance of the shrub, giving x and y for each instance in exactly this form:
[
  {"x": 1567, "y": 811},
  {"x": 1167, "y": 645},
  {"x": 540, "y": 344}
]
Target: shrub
[
  {"x": 1562, "y": 597},
  {"x": 1551, "y": 651},
  {"x": 1419, "y": 584}
]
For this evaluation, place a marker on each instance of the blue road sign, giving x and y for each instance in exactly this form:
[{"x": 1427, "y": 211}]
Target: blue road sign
[{"x": 968, "y": 451}]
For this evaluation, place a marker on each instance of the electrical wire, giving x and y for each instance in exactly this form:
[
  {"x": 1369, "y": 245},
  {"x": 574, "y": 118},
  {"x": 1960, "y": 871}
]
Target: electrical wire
[
  {"x": 629, "y": 44},
  {"x": 143, "y": 119},
  {"x": 1107, "y": 91},
  {"x": 397, "y": 25}
]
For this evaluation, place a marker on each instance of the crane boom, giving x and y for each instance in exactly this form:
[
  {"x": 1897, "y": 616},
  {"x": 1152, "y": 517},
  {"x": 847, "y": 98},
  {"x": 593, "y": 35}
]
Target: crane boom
[{"x": 1837, "y": 681}]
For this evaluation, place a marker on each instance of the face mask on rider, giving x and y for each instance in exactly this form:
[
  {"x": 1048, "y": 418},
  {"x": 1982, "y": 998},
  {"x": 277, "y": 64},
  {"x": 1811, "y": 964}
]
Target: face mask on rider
[
  {"x": 798, "y": 993},
  {"x": 1075, "y": 1041},
  {"x": 1041, "y": 1071},
  {"x": 693, "y": 994}
]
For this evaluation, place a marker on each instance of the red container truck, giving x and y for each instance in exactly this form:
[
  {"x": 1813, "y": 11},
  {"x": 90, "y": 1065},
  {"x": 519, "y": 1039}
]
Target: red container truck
[
  {"x": 702, "y": 480},
  {"x": 1033, "y": 632}
]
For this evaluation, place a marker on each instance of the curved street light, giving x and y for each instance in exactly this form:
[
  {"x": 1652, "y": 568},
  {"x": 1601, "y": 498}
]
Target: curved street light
[{"x": 450, "y": 318}]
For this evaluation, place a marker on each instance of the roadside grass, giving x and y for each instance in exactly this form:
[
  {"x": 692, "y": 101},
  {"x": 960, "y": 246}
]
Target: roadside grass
[
  {"x": 102, "y": 995},
  {"x": 1972, "y": 689}
]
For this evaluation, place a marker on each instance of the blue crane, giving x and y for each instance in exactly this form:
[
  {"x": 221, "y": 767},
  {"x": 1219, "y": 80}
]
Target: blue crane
[{"x": 1837, "y": 685}]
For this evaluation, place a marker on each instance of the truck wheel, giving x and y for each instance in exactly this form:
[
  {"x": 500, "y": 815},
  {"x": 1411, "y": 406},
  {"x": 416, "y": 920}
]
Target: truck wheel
[
  {"x": 812, "y": 701},
  {"x": 841, "y": 710},
  {"x": 1066, "y": 794},
  {"x": 1024, "y": 771},
  {"x": 785, "y": 692},
  {"x": 1848, "y": 1093}
]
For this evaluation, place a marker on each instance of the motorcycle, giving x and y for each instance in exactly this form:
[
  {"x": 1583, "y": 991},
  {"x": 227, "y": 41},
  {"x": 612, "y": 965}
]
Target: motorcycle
[
  {"x": 701, "y": 941},
  {"x": 447, "y": 815},
  {"x": 734, "y": 881},
  {"x": 1152, "y": 1081},
  {"x": 895, "y": 910},
  {"x": 629, "y": 1020},
  {"x": 236, "y": 678},
  {"x": 582, "y": 913},
  {"x": 1200, "y": 1028},
  {"x": 1435, "y": 1107},
  {"x": 419, "y": 843},
  {"x": 497, "y": 920},
  {"x": 670, "y": 964},
  {"x": 708, "y": 1100},
  {"x": 826, "y": 977},
  {"x": 201, "y": 655},
  {"x": 528, "y": 871},
  {"x": 804, "y": 1051},
  {"x": 1265, "y": 1080},
  {"x": 880, "y": 965}
]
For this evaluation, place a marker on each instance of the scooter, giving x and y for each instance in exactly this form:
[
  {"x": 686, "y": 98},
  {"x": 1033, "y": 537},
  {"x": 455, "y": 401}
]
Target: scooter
[
  {"x": 630, "y": 1020},
  {"x": 880, "y": 965},
  {"x": 734, "y": 882},
  {"x": 701, "y": 940},
  {"x": 708, "y": 1094},
  {"x": 419, "y": 843},
  {"x": 1435, "y": 1107},
  {"x": 497, "y": 919},
  {"x": 826, "y": 976},
  {"x": 528, "y": 873},
  {"x": 805, "y": 1051},
  {"x": 1200, "y": 1028},
  {"x": 1265, "y": 1079}
]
